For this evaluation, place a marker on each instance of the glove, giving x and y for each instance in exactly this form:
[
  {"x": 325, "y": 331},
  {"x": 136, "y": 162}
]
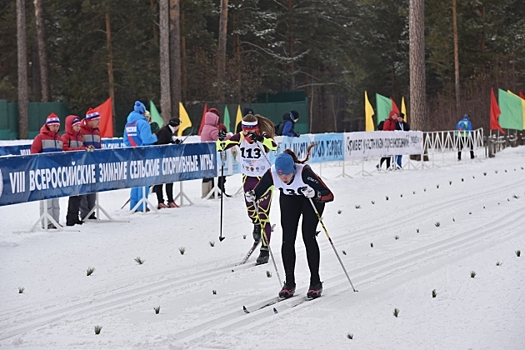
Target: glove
[
  {"x": 90, "y": 148},
  {"x": 255, "y": 137},
  {"x": 297, "y": 134},
  {"x": 250, "y": 196},
  {"x": 222, "y": 135},
  {"x": 177, "y": 142},
  {"x": 309, "y": 192}
]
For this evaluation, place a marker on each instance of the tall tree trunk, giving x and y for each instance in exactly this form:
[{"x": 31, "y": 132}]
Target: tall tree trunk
[
  {"x": 221, "y": 55},
  {"x": 35, "y": 73},
  {"x": 111, "y": 79},
  {"x": 184, "y": 73},
  {"x": 164, "y": 23},
  {"x": 291, "y": 42},
  {"x": 175, "y": 56},
  {"x": 22, "y": 69},
  {"x": 42, "y": 51},
  {"x": 417, "y": 64},
  {"x": 153, "y": 5},
  {"x": 456, "y": 56}
]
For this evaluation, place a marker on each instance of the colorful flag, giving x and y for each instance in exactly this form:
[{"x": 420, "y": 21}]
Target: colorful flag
[
  {"x": 511, "y": 116},
  {"x": 369, "y": 112},
  {"x": 394, "y": 106},
  {"x": 106, "y": 118},
  {"x": 185, "y": 121},
  {"x": 226, "y": 118},
  {"x": 404, "y": 109},
  {"x": 383, "y": 107},
  {"x": 238, "y": 118},
  {"x": 522, "y": 106},
  {"x": 155, "y": 115},
  {"x": 203, "y": 118},
  {"x": 494, "y": 113}
]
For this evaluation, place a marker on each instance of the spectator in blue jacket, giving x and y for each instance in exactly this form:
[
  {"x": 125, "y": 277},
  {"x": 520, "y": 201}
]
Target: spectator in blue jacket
[
  {"x": 137, "y": 132},
  {"x": 464, "y": 135},
  {"x": 286, "y": 127}
]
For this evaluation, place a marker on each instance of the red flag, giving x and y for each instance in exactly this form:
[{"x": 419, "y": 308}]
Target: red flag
[
  {"x": 521, "y": 95},
  {"x": 394, "y": 106},
  {"x": 202, "y": 119},
  {"x": 494, "y": 113},
  {"x": 106, "y": 119}
]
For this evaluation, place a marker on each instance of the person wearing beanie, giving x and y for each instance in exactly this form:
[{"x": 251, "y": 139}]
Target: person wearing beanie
[
  {"x": 91, "y": 140},
  {"x": 48, "y": 140},
  {"x": 286, "y": 126},
  {"x": 72, "y": 139},
  {"x": 137, "y": 132},
  {"x": 210, "y": 132},
  {"x": 165, "y": 136},
  {"x": 299, "y": 187},
  {"x": 464, "y": 136},
  {"x": 388, "y": 125},
  {"x": 256, "y": 137}
]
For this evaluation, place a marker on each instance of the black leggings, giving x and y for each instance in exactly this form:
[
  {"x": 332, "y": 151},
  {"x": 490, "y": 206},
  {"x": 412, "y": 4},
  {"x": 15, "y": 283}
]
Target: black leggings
[{"x": 292, "y": 207}]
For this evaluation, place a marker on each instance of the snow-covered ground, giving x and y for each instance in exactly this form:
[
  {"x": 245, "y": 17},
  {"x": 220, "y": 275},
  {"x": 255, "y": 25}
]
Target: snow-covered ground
[{"x": 449, "y": 222}]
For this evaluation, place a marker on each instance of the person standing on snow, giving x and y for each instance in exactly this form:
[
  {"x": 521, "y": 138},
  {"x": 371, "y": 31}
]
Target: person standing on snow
[
  {"x": 92, "y": 140},
  {"x": 401, "y": 125},
  {"x": 165, "y": 137},
  {"x": 256, "y": 137},
  {"x": 298, "y": 184},
  {"x": 73, "y": 141},
  {"x": 137, "y": 132},
  {"x": 464, "y": 135},
  {"x": 213, "y": 130},
  {"x": 49, "y": 141}
]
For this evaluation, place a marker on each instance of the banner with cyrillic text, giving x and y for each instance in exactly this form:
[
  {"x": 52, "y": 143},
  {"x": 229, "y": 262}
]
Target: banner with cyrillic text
[
  {"x": 62, "y": 174},
  {"x": 360, "y": 145},
  {"x": 329, "y": 147}
]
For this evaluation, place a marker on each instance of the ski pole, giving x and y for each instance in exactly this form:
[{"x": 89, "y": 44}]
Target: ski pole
[
  {"x": 265, "y": 241},
  {"x": 330, "y": 239},
  {"x": 223, "y": 156},
  {"x": 122, "y": 207}
]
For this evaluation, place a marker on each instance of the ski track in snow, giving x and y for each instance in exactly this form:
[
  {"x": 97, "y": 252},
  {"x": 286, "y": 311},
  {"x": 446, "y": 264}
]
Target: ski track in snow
[{"x": 388, "y": 265}]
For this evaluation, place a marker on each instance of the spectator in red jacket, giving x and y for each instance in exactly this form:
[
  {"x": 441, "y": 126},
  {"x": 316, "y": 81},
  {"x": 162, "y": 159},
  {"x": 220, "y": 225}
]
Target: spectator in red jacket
[
  {"x": 92, "y": 140},
  {"x": 73, "y": 142},
  {"x": 388, "y": 125},
  {"x": 49, "y": 141}
]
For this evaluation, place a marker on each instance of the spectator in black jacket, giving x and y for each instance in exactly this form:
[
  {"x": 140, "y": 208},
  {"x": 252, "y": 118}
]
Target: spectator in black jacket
[
  {"x": 165, "y": 137},
  {"x": 402, "y": 125}
]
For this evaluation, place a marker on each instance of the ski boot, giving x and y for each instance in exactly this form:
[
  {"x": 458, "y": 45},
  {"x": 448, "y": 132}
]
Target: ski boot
[
  {"x": 263, "y": 256},
  {"x": 287, "y": 291},
  {"x": 256, "y": 232},
  {"x": 315, "y": 290}
]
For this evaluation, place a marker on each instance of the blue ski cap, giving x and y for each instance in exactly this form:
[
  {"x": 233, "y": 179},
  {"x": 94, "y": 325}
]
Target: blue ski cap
[{"x": 284, "y": 164}]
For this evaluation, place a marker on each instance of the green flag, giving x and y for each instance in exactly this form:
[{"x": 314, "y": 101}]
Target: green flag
[
  {"x": 226, "y": 118},
  {"x": 511, "y": 116},
  {"x": 155, "y": 115},
  {"x": 383, "y": 106}
]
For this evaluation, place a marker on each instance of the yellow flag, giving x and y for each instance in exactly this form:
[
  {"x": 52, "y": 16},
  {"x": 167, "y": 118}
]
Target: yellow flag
[
  {"x": 369, "y": 112},
  {"x": 185, "y": 121},
  {"x": 238, "y": 118},
  {"x": 404, "y": 109}
]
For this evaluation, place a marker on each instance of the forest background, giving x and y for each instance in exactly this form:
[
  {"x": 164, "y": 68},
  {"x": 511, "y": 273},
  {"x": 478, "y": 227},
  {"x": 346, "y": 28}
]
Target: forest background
[{"x": 333, "y": 50}]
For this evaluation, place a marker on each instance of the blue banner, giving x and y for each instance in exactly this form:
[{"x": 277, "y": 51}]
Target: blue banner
[{"x": 63, "y": 174}]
